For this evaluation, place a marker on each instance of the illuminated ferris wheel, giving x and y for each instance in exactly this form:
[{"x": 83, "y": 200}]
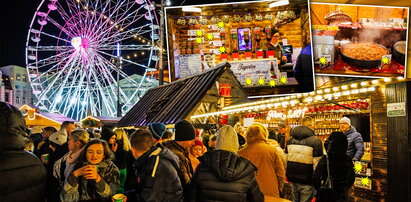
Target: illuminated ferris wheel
[{"x": 74, "y": 52}]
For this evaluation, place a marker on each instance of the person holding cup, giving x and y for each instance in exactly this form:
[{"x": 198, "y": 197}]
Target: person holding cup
[{"x": 94, "y": 177}]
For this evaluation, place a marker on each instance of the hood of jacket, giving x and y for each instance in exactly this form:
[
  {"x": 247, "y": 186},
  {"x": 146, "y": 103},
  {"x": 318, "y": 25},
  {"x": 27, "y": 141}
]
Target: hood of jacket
[
  {"x": 158, "y": 151},
  {"x": 227, "y": 166},
  {"x": 13, "y": 130},
  {"x": 301, "y": 132}
]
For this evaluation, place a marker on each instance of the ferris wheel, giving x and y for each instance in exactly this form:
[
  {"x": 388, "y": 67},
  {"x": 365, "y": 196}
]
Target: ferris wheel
[{"x": 77, "y": 50}]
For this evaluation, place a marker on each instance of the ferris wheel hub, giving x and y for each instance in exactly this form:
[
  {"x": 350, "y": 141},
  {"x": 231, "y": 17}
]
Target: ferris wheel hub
[{"x": 80, "y": 43}]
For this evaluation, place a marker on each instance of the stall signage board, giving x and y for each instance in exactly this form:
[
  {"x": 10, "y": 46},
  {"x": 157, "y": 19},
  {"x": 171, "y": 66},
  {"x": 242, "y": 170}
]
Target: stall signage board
[
  {"x": 396, "y": 109},
  {"x": 254, "y": 70}
]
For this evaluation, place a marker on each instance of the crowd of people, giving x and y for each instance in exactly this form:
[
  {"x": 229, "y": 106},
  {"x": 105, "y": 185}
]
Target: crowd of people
[{"x": 153, "y": 164}]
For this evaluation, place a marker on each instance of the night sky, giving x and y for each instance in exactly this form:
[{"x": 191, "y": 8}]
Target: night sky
[{"x": 16, "y": 16}]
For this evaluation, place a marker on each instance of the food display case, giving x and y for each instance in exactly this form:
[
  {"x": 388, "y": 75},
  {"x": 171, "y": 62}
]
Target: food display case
[{"x": 359, "y": 40}]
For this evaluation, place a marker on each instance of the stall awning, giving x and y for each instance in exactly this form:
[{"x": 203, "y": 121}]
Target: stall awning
[
  {"x": 172, "y": 102},
  {"x": 56, "y": 117}
]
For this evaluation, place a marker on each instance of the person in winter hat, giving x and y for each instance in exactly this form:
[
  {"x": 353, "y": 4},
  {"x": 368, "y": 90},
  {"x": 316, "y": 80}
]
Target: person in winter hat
[
  {"x": 156, "y": 171},
  {"x": 227, "y": 139},
  {"x": 225, "y": 176},
  {"x": 355, "y": 148},
  {"x": 157, "y": 130},
  {"x": 341, "y": 169},
  {"x": 180, "y": 146},
  {"x": 22, "y": 174},
  {"x": 270, "y": 173}
]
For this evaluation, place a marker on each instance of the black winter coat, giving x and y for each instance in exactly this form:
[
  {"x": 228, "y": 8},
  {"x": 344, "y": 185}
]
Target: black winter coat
[
  {"x": 22, "y": 175},
  {"x": 157, "y": 178},
  {"x": 225, "y": 176}
]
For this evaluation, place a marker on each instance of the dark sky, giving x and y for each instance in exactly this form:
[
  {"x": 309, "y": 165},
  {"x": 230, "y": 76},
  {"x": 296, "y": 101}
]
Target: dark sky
[{"x": 16, "y": 16}]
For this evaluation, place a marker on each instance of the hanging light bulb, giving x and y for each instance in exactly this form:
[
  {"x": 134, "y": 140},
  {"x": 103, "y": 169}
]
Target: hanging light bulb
[{"x": 168, "y": 3}]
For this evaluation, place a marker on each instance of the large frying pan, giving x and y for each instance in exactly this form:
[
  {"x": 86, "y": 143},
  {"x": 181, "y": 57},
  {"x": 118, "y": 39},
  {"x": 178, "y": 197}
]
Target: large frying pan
[{"x": 366, "y": 64}]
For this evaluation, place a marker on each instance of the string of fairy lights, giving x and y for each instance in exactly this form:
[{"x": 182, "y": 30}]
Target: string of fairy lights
[{"x": 316, "y": 96}]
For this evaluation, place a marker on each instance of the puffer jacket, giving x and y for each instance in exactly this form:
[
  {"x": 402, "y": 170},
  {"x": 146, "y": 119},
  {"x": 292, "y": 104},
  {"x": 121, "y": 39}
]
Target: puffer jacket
[
  {"x": 355, "y": 144},
  {"x": 304, "y": 151},
  {"x": 184, "y": 159},
  {"x": 157, "y": 176},
  {"x": 22, "y": 174},
  {"x": 79, "y": 189},
  {"x": 225, "y": 176}
]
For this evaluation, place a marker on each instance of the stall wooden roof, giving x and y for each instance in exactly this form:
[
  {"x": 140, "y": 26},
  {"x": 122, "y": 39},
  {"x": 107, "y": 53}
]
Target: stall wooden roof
[{"x": 170, "y": 103}]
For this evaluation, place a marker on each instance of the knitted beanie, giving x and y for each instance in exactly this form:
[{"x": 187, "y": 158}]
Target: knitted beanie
[
  {"x": 227, "y": 139},
  {"x": 184, "y": 131},
  {"x": 345, "y": 120},
  {"x": 157, "y": 129}
]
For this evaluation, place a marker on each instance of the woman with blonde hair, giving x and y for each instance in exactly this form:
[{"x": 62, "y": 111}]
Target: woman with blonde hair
[
  {"x": 121, "y": 136},
  {"x": 271, "y": 172},
  {"x": 120, "y": 145}
]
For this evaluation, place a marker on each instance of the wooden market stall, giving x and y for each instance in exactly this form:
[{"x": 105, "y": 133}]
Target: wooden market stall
[
  {"x": 366, "y": 102},
  {"x": 34, "y": 117},
  {"x": 201, "y": 93},
  {"x": 99, "y": 121}
]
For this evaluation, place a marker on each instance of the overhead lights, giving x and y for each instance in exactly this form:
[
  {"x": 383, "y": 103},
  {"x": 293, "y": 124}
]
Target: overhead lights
[
  {"x": 364, "y": 83},
  {"x": 387, "y": 80},
  {"x": 191, "y": 9},
  {"x": 344, "y": 87},
  {"x": 279, "y": 3},
  {"x": 375, "y": 82},
  {"x": 354, "y": 85}
]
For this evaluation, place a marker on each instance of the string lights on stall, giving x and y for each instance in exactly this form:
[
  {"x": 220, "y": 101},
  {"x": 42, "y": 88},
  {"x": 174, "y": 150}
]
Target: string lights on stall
[{"x": 320, "y": 95}]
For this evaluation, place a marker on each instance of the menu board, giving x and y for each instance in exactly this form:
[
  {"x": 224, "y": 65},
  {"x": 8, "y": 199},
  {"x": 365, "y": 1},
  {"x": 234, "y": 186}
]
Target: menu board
[{"x": 189, "y": 65}]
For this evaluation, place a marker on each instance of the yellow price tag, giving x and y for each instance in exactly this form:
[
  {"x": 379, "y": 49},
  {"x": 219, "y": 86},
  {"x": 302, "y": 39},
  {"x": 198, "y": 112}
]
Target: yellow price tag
[
  {"x": 365, "y": 181},
  {"x": 357, "y": 167},
  {"x": 199, "y": 33},
  {"x": 261, "y": 81},
  {"x": 323, "y": 60},
  {"x": 283, "y": 80},
  {"x": 273, "y": 83},
  {"x": 220, "y": 24},
  {"x": 385, "y": 60},
  {"x": 248, "y": 81},
  {"x": 199, "y": 40},
  {"x": 222, "y": 49},
  {"x": 210, "y": 36}
]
